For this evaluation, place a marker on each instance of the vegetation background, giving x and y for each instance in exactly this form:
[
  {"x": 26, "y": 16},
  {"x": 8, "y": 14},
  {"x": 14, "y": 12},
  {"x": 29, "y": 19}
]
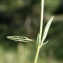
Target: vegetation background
[{"x": 22, "y": 18}]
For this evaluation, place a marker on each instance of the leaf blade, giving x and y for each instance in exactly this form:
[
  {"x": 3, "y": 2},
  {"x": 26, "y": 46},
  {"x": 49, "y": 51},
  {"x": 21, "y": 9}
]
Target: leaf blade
[
  {"x": 20, "y": 38},
  {"x": 47, "y": 28}
]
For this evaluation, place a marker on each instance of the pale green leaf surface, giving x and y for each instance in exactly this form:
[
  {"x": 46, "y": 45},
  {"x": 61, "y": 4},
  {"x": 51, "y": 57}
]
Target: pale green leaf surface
[
  {"x": 37, "y": 40},
  {"x": 46, "y": 42},
  {"x": 47, "y": 28},
  {"x": 20, "y": 38}
]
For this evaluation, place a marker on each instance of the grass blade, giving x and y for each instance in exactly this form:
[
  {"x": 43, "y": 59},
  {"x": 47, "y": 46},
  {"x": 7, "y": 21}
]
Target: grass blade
[
  {"x": 46, "y": 42},
  {"x": 47, "y": 28},
  {"x": 20, "y": 38}
]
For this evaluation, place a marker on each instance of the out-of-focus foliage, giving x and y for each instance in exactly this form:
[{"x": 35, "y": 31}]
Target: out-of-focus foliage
[
  {"x": 22, "y": 17},
  {"x": 13, "y": 4},
  {"x": 51, "y": 5}
]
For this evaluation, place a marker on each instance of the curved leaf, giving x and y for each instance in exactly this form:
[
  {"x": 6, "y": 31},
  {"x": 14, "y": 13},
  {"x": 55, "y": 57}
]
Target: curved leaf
[{"x": 47, "y": 28}]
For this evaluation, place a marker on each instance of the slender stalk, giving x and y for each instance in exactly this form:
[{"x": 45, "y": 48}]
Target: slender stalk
[
  {"x": 37, "y": 53},
  {"x": 41, "y": 20},
  {"x": 41, "y": 26}
]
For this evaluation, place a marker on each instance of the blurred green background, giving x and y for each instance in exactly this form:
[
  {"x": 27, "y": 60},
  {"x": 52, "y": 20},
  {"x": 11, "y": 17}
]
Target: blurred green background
[{"x": 22, "y": 18}]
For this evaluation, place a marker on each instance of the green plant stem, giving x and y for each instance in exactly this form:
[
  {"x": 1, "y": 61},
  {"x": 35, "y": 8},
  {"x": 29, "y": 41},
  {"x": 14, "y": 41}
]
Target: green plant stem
[
  {"x": 41, "y": 20},
  {"x": 37, "y": 53},
  {"x": 41, "y": 27}
]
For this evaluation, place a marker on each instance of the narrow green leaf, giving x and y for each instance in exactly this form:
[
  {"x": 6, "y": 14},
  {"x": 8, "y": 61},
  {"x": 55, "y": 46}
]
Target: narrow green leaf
[
  {"x": 46, "y": 42},
  {"x": 20, "y": 38},
  {"x": 47, "y": 28},
  {"x": 37, "y": 40}
]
